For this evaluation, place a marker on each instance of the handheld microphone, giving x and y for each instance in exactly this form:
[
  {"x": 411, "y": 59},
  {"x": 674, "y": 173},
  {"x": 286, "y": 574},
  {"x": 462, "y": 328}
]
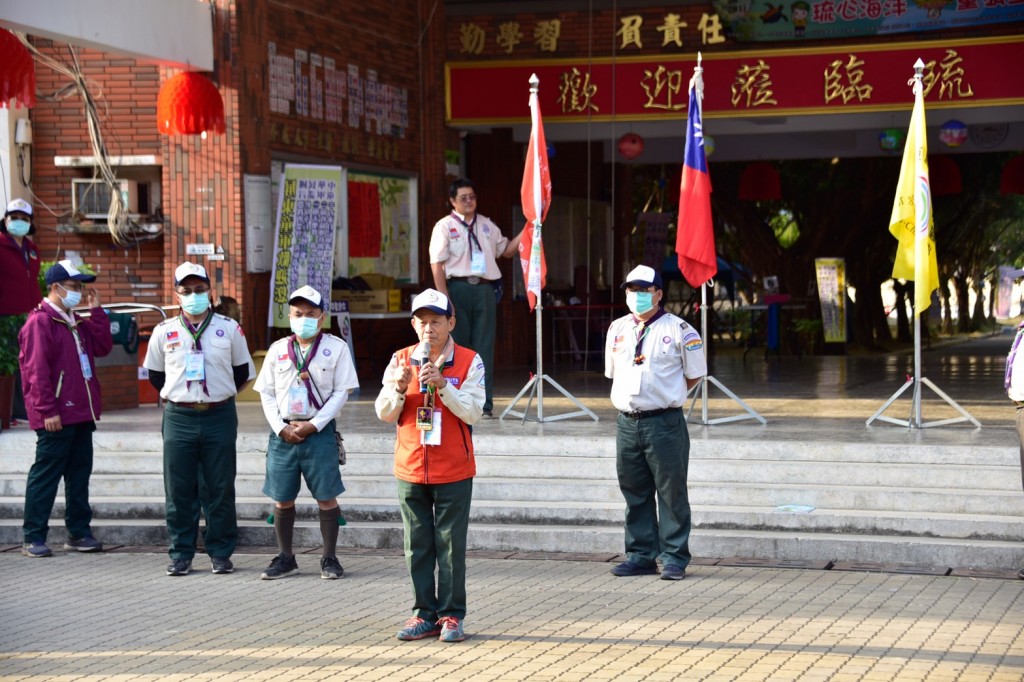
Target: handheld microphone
[{"x": 424, "y": 359}]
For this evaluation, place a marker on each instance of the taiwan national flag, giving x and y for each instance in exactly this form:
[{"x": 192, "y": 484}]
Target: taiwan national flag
[
  {"x": 536, "y": 197},
  {"x": 695, "y": 237}
]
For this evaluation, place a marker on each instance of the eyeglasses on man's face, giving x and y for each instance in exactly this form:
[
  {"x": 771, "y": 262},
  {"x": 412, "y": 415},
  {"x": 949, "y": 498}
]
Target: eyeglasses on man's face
[
  {"x": 186, "y": 291},
  {"x": 465, "y": 198}
]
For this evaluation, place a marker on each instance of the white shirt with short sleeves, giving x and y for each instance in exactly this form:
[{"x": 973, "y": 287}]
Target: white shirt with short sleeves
[
  {"x": 1015, "y": 390},
  {"x": 673, "y": 352},
  {"x": 450, "y": 244},
  {"x": 331, "y": 372},
  {"x": 224, "y": 347}
]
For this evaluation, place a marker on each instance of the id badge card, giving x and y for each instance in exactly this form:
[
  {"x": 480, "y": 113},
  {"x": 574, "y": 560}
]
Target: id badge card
[
  {"x": 632, "y": 384},
  {"x": 424, "y": 421},
  {"x": 298, "y": 401},
  {"x": 478, "y": 265},
  {"x": 433, "y": 435},
  {"x": 195, "y": 367},
  {"x": 86, "y": 367}
]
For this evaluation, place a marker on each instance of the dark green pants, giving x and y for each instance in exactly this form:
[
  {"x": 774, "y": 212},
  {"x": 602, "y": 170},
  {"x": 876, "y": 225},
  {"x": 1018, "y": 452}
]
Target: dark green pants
[
  {"x": 652, "y": 458},
  {"x": 476, "y": 322},
  {"x": 200, "y": 441},
  {"x": 436, "y": 522},
  {"x": 60, "y": 454}
]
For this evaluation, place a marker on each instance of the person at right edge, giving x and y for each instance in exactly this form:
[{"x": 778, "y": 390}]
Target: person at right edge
[
  {"x": 434, "y": 392},
  {"x": 653, "y": 359},
  {"x": 1014, "y": 384}
]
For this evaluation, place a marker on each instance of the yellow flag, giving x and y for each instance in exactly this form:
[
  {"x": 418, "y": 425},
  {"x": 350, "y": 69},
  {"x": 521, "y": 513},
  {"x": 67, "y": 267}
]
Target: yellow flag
[{"x": 911, "y": 222}]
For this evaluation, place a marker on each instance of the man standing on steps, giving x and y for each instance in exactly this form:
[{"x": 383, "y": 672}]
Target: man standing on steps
[
  {"x": 62, "y": 398},
  {"x": 199, "y": 361},
  {"x": 464, "y": 248},
  {"x": 303, "y": 384},
  {"x": 653, "y": 359},
  {"x": 1014, "y": 385}
]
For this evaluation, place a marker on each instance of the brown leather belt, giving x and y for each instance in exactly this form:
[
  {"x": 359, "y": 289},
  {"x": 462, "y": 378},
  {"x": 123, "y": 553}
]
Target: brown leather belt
[{"x": 200, "y": 406}]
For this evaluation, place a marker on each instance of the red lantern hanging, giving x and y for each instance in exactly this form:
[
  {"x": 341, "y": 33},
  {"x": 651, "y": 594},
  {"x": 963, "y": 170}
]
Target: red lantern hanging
[
  {"x": 17, "y": 72},
  {"x": 631, "y": 146},
  {"x": 760, "y": 182},
  {"x": 944, "y": 176},
  {"x": 189, "y": 104},
  {"x": 1012, "y": 181}
]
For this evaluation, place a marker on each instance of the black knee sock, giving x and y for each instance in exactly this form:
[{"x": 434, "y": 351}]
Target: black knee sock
[
  {"x": 284, "y": 523},
  {"x": 329, "y": 529}
]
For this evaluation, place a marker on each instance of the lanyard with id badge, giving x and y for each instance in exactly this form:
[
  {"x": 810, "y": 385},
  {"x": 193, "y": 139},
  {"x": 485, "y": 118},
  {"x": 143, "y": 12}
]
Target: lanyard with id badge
[
  {"x": 477, "y": 262},
  {"x": 428, "y": 419},
  {"x": 83, "y": 357},
  {"x": 195, "y": 363},
  {"x": 302, "y": 395}
]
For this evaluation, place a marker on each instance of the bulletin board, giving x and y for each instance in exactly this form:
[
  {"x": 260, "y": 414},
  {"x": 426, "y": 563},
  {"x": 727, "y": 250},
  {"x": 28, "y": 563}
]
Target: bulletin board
[{"x": 378, "y": 226}]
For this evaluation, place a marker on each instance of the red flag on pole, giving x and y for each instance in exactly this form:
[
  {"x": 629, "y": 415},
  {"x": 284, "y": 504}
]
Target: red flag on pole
[
  {"x": 536, "y": 198},
  {"x": 695, "y": 236}
]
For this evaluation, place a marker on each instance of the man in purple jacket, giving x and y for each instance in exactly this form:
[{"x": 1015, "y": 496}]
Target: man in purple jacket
[{"x": 62, "y": 398}]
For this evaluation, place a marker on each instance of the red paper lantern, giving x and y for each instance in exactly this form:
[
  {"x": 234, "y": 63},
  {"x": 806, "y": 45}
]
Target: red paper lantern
[
  {"x": 189, "y": 104},
  {"x": 1012, "y": 181},
  {"x": 944, "y": 176},
  {"x": 631, "y": 146},
  {"x": 760, "y": 182},
  {"x": 17, "y": 72}
]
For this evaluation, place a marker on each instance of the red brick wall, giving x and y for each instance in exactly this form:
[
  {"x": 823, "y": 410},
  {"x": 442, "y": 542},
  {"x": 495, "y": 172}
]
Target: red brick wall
[{"x": 120, "y": 386}]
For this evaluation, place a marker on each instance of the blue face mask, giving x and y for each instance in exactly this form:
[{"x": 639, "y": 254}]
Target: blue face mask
[
  {"x": 72, "y": 299},
  {"x": 639, "y": 302},
  {"x": 305, "y": 327},
  {"x": 195, "y": 304},
  {"x": 18, "y": 228}
]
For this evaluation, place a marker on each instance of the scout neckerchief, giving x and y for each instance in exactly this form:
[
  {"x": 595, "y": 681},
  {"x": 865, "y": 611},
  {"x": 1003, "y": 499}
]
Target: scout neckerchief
[
  {"x": 1013, "y": 354},
  {"x": 301, "y": 362},
  {"x": 642, "y": 328},
  {"x": 197, "y": 343},
  {"x": 470, "y": 228}
]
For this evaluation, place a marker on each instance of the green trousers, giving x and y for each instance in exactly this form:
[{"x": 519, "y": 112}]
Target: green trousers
[
  {"x": 652, "y": 458},
  {"x": 60, "y": 454},
  {"x": 476, "y": 322},
  {"x": 200, "y": 442},
  {"x": 436, "y": 522}
]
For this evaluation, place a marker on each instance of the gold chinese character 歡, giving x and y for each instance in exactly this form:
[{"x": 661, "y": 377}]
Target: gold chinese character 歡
[
  {"x": 471, "y": 39},
  {"x": 950, "y": 79},
  {"x": 847, "y": 84},
  {"x": 753, "y": 84},
  {"x": 576, "y": 92},
  {"x": 630, "y": 31},
  {"x": 665, "y": 85},
  {"x": 546, "y": 34},
  {"x": 710, "y": 27},
  {"x": 509, "y": 36},
  {"x": 672, "y": 30}
]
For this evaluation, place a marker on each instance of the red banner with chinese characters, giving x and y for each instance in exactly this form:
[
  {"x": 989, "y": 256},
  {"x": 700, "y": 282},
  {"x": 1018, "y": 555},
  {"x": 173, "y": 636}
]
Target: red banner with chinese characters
[{"x": 847, "y": 79}]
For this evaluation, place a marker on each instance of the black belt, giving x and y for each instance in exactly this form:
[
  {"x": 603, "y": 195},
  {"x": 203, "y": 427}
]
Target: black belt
[
  {"x": 200, "y": 406},
  {"x": 471, "y": 280},
  {"x": 644, "y": 414}
]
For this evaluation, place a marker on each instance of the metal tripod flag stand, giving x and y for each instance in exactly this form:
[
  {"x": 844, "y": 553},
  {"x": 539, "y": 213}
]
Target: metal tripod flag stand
[
  {"x": 911, "y": 224},
  {"x": 536, "y": 198},
  {"x": 695, "y": 239}
]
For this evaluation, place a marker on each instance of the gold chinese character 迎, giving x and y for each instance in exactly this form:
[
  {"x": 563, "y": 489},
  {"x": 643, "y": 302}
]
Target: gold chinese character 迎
[
  {"x": 950, "y": 80},
  {"x": 509, "y": 35},
  {"x": 576, "y": 91},
  {"x": 754, "y": 84},
  {"x": 846, "y": 85},
  {"x": 710, "y": 28},
  {"x": 546, "y": 34},
  {"x": 672, "y": 30},
  {"x": 665, "y": 84},
  {"x": 630, "y": 30},
  {"x": 471, "y": 38}
]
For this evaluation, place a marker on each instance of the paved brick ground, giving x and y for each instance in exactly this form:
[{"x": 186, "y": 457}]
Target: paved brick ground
[{"x": 116, "y": 616}]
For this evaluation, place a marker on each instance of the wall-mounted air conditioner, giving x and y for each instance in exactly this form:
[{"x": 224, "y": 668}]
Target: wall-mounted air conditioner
[{"x": 91, "y": 198}]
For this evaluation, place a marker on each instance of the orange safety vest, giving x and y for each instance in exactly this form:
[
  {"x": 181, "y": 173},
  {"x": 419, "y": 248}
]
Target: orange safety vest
[{"x": 450, "y": 461}]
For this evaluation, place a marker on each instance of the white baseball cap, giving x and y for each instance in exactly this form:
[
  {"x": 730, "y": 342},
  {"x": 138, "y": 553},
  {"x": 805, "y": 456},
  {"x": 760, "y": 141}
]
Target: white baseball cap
[
  {"x": 190, "y": 270},
  {"x": 21, "y": 206},
  {"x": 643, "y": 275},
  {"x": 308, "y": 294},
  {"x": 432, "y": 300}
]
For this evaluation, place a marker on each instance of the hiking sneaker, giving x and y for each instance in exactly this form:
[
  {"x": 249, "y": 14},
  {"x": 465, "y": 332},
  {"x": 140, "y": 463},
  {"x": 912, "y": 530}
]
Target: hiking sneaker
[
  {"x": 179, "y": 567},
  {"x": 280, "y": 566},
  {"x": 672, "y": 572},
  {"x": 36, "y": 549},
  {"x": 628, "y": 569},
  {"x": 330, "y": 569},
  {"x": 451, "y": 629},
  {"x": 86, "y": 543},
  {"x": 417, "y": 628},
  {"x": 222, "y": 565}
]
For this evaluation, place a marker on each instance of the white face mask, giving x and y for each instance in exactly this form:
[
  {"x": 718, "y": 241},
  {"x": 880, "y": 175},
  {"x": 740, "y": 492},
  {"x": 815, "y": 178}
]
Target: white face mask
[
  {"x": 72, "y": 299},
  {"x": 639, "y": 302},
  {"x": 18, "y": 228}
]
